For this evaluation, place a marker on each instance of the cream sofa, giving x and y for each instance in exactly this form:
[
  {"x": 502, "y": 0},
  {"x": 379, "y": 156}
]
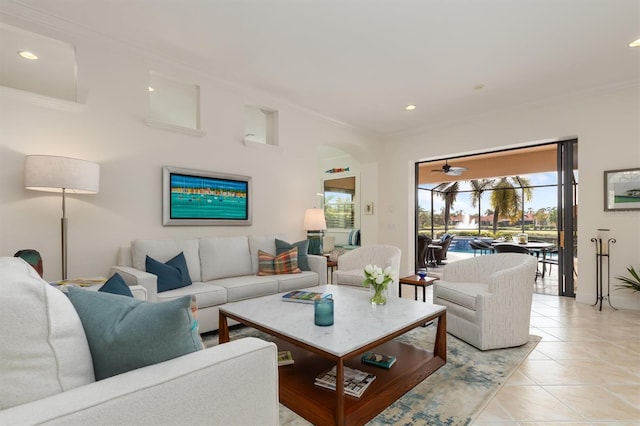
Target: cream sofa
[
  {"x": 222, "y": 269},
  {"x": 488, "y": 299},
  {"x": 47, "y": 373}
]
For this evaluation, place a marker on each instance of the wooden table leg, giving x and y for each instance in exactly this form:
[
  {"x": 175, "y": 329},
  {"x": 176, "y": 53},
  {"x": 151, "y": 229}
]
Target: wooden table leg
[
  {"x": 340, "y": 392},
  {"x": 223, "y": 328},
  {"x": 440, "y": 345}
]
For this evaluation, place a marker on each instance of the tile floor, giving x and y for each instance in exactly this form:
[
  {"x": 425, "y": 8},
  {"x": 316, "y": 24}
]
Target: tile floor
[{"x": 585, "y": 371}]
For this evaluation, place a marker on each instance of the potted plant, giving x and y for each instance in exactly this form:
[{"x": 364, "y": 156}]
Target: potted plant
[{"x": 632, "y": 283}]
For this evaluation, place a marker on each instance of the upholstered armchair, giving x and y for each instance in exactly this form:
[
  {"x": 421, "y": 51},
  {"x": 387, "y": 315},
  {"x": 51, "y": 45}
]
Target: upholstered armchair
[
  {"x": 488, "y": 299},
  {"x": 350, "y": 270}
]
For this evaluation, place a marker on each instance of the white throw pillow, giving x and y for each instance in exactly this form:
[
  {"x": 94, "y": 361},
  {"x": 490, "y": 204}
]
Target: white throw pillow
[{"x": 43, "y": 349}]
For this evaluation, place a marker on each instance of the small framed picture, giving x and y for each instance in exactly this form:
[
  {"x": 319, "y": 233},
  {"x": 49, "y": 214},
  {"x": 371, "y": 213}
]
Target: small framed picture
[
  {"x": 368, "y": 207},
  {"x": 622, "y": 189}
]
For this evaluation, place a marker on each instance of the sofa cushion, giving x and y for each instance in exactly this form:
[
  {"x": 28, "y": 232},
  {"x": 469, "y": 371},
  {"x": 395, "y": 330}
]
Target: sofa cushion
[
  {"x": 125, "y": 333},
  {"x": 223, "y": 257},
  {"x": 288, "y": 282},
  {"x": 285, "y": 263},
  {"x": 303, "y": 249},
  {"x": 116, "y": 285},
  {"x": 163, "y": 250},
  {"x": 43, "y": 349},
  {"x": 248, "y": 286},
  {"x": 460, "y": 293},
  {"x": 172, "y": 274},
  {"x": 207, "y": 294}
]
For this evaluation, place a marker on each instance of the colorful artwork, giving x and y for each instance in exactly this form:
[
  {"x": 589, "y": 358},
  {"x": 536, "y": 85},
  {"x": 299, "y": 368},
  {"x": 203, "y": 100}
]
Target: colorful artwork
[
  {"x": 622, "y": 189},
  {"x": 337, "y": 170},
  {"x": 204, "y": 198}
]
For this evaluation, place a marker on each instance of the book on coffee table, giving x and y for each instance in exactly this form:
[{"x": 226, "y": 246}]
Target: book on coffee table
[
  {"x": 285, "y": 358},
  {"x": 302, "y": 296},
  {"x": 379, "y": 360},
  {"x": 355, "y": 381}
]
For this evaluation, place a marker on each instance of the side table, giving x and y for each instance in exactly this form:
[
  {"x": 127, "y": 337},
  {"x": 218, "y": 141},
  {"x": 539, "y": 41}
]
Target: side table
[
  {"x": 331, "y": 264},
  {"x": 416, "y": 282}
]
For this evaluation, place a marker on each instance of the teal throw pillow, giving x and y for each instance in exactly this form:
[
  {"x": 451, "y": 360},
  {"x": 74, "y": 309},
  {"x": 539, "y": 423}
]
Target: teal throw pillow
[
  {"x": 125, "y": 333},
  {"x": 172, "y": 274},
  {"x": 303, "y": 249},
  {"x": 116, "y": 285}
]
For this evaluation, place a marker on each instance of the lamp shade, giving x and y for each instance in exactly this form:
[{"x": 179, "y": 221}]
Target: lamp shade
[
  {"x": 53, "y": 174},
  {"x": 314, "y": 220}
]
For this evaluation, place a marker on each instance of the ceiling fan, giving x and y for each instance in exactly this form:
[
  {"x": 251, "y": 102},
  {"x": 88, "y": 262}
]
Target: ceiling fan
[{"x": 451, "y": 170}]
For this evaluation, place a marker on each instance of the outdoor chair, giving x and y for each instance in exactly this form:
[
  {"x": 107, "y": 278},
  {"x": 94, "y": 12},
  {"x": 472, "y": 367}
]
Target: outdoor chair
[
  {"x": 437, "y": 255},
  {"x": 511, "y": 248},
  {"x": 421, "y": 256},
  {"x": 482, "y": 246}
]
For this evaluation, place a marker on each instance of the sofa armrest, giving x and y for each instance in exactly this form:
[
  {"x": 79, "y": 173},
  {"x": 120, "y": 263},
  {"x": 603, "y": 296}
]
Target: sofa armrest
[
  {"x": 232, "y": 383},
  {"x": 133, "y": 276},
  {"x": 318, "y": 264}
]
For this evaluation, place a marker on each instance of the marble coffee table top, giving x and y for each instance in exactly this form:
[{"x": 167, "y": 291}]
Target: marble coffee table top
[{"x": 356, "y": 321}]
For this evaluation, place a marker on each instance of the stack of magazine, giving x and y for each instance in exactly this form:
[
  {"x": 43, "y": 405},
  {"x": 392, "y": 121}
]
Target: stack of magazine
[{"x": 355, "y": 381}]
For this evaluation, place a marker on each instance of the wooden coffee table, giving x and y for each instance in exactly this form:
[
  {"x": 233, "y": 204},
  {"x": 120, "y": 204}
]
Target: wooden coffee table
[
  {"x": 416, "y": 282},
  {"x": 358, "y": 327}
]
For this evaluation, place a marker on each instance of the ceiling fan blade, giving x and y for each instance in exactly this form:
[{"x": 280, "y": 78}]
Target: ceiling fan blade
[
  {"x": 453, "y": 172},
  {"x": 459, "y": 169}
]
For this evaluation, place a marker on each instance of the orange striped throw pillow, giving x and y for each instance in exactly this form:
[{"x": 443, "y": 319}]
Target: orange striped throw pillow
[{"x": 284, "y": 263}]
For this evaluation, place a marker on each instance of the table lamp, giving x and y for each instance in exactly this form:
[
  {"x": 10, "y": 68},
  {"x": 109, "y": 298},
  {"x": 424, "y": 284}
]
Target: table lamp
[
  {"x": 61, "y": 174},
  {"x": 315, "y": 224}
]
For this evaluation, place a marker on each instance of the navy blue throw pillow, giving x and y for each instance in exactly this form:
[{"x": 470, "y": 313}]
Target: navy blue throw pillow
[
  {"x": 116, "y": 285},
  {"x": 172, "y": 274}
]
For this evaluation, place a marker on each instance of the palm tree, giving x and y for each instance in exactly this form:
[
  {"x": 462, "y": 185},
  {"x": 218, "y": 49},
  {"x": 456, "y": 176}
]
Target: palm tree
[
  {"x": 479, "y": 186},
  {"x": 506, "y": 200},
  {"x": 449, "y": 192}
]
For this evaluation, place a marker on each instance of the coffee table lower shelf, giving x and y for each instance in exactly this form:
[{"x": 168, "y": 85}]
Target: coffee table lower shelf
[{"x": 318, "y": 405}]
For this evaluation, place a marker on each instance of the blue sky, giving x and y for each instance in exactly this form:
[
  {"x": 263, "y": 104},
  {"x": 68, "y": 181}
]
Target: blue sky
[{"x": 542, "y": 197}]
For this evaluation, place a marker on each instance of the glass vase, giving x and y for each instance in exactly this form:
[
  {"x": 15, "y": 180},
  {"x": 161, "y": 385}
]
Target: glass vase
[{"x": 378, "y": 295}]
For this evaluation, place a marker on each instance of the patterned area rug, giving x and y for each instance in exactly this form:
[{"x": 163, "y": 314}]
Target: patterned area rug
[{"x": 453, "y": 395}]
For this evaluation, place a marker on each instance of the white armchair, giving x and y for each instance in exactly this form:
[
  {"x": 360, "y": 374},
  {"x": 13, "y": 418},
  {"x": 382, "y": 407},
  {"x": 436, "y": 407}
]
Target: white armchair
[
  {"x": 488, "y": 299},
  {"x": 350, "y": 270}
]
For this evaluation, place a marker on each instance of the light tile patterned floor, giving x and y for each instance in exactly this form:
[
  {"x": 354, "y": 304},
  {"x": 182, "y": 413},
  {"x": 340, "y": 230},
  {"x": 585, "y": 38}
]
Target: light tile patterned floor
[{"x": 585, "y": 371}]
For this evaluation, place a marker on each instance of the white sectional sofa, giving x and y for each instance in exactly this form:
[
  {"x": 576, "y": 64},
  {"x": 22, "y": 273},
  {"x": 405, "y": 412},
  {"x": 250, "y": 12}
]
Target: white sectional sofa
[
  {"x": 222, "y": 269},
  {"x": 47, "y": 370}
]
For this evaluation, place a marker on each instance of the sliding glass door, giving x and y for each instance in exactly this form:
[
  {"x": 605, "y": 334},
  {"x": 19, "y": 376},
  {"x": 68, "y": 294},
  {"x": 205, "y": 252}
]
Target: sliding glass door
[{"x": 567, "y": 217}]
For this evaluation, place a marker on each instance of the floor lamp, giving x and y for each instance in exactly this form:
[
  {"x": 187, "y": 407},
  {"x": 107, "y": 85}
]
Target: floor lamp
[
  {"x": 61, "y": 174},
  {"x": 315, "y": 224}
]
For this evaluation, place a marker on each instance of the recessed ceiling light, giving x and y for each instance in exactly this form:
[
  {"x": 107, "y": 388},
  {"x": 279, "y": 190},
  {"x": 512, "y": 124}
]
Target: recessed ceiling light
[
  {"x": 410, "y": 107},
  {"x": 151, "y": 89},
  {"x": 28, "y": 55},
  {"x": 635, "y": 43}
]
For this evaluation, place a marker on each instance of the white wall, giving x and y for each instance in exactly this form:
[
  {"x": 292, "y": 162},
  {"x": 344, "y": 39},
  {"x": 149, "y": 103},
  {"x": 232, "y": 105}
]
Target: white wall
[
  {"x": 108, "y": 128},
  {"x": 607, "y": 125}
]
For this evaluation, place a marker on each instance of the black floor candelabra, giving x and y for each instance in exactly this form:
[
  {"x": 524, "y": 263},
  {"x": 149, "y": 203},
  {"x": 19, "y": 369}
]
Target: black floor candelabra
[{"x": 603, "y": 250}]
